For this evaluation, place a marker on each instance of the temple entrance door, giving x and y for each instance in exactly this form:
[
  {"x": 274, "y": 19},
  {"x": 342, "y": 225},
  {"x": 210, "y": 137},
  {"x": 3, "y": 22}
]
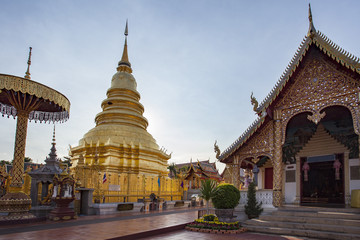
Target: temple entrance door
[
  {"x": 322, "y": 187},
  {"x": 268, "y": 178}
]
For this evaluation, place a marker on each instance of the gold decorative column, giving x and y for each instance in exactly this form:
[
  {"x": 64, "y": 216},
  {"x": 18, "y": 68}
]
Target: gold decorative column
[
  {"x": 277, "y": 161},
  {"x": 19, "y": 151},
  {"x": 236, "y": 172}
]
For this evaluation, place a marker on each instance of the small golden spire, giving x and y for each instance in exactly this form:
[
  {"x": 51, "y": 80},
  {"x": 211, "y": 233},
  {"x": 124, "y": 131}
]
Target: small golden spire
[
  {"x": 54, "y": 135},
  {"x": 27, "y": 74},
  {"x": 124, "y": 64},
  {"x": 312, "y": 29}
]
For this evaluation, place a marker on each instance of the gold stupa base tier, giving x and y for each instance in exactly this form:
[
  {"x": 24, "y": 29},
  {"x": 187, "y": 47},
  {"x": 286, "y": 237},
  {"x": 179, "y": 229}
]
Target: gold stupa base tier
[{"x": 17, "y": 202}]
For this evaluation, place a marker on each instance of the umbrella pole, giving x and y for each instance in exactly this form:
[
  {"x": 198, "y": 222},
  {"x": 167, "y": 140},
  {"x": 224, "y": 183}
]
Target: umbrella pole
[
  {"x": 19, "y": 151},
  {"x": 16, "y": 203}
]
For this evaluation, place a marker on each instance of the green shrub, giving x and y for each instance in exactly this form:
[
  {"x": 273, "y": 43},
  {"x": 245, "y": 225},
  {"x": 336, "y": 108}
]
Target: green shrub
[
  {"x": 253, "y": 209},
  {"x": 226, "y": 196}
]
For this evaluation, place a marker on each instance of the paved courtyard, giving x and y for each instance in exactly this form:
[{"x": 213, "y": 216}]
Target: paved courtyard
[{"x": 155, "y": 225}]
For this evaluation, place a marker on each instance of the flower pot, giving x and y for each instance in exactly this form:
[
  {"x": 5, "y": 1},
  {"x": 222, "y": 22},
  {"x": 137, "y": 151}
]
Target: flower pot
[{"x": 225, "y": 215}]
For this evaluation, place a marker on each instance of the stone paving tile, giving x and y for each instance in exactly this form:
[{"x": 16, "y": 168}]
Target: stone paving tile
[
  {"x": 188, "y": 235},
  {"x": 107, "y": 229},
  {"x": 112, "y": 226}
]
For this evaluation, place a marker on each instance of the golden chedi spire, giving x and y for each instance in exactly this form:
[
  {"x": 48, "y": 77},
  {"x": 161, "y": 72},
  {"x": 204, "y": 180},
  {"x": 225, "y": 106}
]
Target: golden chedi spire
[
  {"x": 124, "y": 64},
  {"x": 122, "y": 105},
  {"x": 120, "y": 136},
  {"x": 312, "y": 29},
  {"x": 27, "y": 74}
]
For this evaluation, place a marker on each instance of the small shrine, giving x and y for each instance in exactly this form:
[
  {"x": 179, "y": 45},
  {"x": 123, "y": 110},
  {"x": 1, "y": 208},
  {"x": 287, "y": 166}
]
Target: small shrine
[
  {"x": 42, "y": 180},
  {"x": 63, "y": 195}
]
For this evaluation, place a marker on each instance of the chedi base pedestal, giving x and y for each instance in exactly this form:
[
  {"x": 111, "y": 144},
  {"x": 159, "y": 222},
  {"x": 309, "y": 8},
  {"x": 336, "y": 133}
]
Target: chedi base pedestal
[{"x": 15, "y": 206}]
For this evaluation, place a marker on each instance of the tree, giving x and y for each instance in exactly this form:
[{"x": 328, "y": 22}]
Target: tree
[
  {"x": 172, "y": 169},
  {"x": 3, "y": 162},
  {"x": 67, "y": 161},
  {"x": 253, "y": 209},
  {"x": 207, "y": 191}
]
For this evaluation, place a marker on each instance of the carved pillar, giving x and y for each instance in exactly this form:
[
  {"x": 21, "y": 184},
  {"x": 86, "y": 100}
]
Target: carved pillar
[
  {"x": 236, "y": 172},
  {"x": 298, "y": 179},
  {"x": 277, "y": 161},
  {"x": 19, "y": 152}
]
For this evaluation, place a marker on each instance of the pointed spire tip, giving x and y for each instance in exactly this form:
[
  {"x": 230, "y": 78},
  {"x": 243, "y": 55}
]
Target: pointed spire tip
[
  {"x": 126, "y": 28},
  {"x": 27, "y": 73},
  {"x": 312, "y": 29},
  {"x": 124, "y": 65}
]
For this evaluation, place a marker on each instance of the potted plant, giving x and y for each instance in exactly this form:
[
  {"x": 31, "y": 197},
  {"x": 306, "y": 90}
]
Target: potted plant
[
  {"x": 225, "y": 198},
  {"x": 253, "y": 209},
  {"x": 206, "y": 191}
]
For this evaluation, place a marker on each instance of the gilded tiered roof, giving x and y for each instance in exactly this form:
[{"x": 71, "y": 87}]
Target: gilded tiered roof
[
  {"x": 313, "y": 38},
  {"x": 203, "y": 170}
]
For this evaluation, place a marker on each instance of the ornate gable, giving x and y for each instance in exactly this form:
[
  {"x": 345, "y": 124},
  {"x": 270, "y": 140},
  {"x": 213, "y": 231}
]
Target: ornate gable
[
  {"x": 317, "y": 85},
  {"x": 323, "y": 72}
]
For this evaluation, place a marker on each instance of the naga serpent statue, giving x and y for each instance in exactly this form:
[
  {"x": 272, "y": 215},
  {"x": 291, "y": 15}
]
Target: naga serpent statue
[
  {"x": 254, "y": 102},
  {"x": 216, "y": 150}
]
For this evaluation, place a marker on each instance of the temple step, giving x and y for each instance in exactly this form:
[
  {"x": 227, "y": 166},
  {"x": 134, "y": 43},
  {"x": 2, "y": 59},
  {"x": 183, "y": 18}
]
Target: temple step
[
  {"x": 321, "y": 223},
  {"x": 320, "y": 214},
  {"x": 311, "y": 220},
  {"x": 304, "y": 233}
]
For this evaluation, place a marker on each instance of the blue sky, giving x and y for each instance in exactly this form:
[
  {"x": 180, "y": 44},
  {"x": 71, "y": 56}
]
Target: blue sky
[{"x": 195, "y": 62}]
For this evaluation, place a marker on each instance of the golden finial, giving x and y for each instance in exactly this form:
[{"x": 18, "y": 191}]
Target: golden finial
[
  {"x": 124, "y": 64},
  {"x": 312, "y": 29},
  {"x": 126, "y": 29},
  {"x": 54, "y": 135},
  {"x": 27, "y": 74}
]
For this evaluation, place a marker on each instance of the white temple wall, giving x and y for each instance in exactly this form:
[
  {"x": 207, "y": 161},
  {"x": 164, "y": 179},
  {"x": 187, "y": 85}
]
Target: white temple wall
[
  {"x": 354, "y": 184},
  {"x": 290, "y": 183},
  {"x": 261, "y": 178}
]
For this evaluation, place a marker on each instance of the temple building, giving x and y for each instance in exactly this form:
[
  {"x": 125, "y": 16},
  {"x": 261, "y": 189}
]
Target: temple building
[
  {"x": 304, "y": 146},
  {"x": 194, "y": 173},
  {"x": 118, "y": 157}
]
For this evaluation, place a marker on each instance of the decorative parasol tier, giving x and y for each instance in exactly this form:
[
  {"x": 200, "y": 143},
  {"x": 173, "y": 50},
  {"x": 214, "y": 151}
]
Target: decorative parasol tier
[
  {"x": 21, "y": 93},
  {"x": 26, "y": 100}
]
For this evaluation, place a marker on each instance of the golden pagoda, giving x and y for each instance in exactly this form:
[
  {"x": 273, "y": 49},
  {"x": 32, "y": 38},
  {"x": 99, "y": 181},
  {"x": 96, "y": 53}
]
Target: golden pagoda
[{"x": 118, "y": 152}]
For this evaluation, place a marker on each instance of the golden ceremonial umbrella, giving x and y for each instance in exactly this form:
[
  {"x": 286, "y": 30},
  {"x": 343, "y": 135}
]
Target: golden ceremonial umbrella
[{"x": 26, "y": 100}]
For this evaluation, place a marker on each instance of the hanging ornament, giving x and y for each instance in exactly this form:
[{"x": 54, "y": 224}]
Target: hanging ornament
[
  {"x": 306, "y": 168},
  {"x": 337, "y": 166}
]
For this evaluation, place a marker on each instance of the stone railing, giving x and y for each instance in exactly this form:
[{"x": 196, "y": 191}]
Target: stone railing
[{"x": 263, "y": 195}]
